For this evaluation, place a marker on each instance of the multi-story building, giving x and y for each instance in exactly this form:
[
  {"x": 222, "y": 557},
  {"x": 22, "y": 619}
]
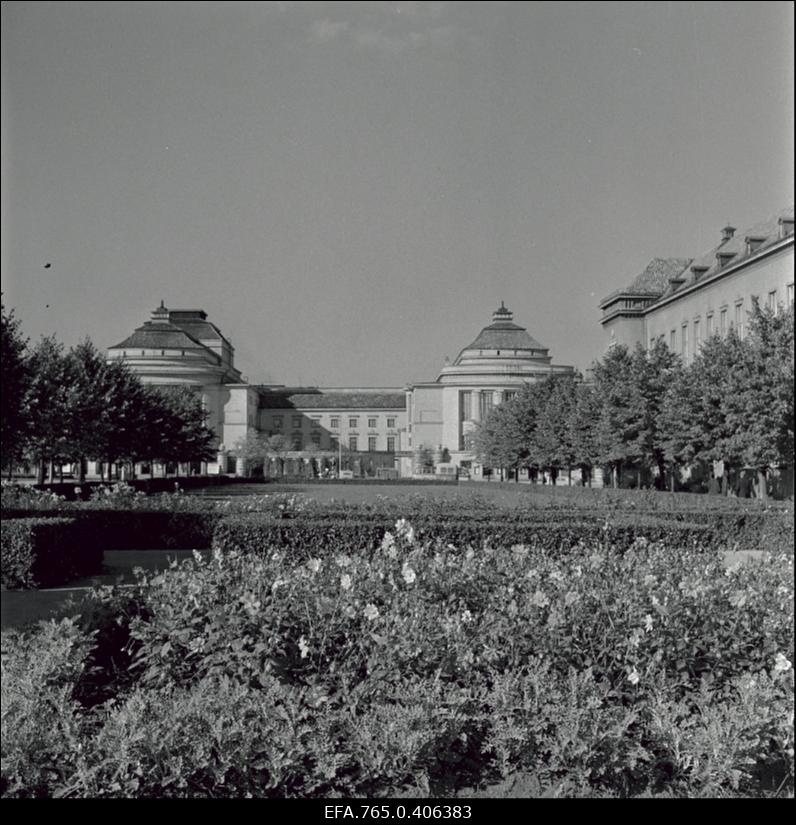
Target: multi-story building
[
  {"x": 371, "y": 430},
  {"x": 685, "y": 300},
  {"x": 442, "y": 414},
  {"x": 358, "y": 427}
]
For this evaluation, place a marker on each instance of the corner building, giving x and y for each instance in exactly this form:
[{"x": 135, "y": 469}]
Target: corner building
[{"x": 686, "y": 300}]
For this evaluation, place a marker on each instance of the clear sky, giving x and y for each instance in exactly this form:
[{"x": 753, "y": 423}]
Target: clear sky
[{"x": 350, "y": 189}]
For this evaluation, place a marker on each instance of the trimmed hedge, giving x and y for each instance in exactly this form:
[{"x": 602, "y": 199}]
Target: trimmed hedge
[
  {"x": 138, "y": 529},
  {"x": 251, "y": 533},
  {"x": 39, "y": 552}
]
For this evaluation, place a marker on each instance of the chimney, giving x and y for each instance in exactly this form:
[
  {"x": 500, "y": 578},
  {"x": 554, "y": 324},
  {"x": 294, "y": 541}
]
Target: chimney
[{"x": 727, "y": 233}]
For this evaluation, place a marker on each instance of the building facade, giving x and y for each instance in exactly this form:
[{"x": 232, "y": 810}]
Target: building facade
[
  {"x": 373, "y": 431},
  {"x": 685, "y": 300},
  {"x": 443, "y": 414}
]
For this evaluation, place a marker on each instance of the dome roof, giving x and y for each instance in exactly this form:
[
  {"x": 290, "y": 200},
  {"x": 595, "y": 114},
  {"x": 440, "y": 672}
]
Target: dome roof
[
  {"x": 502, "y": 354},
  {"x": 502, "y": 334}
]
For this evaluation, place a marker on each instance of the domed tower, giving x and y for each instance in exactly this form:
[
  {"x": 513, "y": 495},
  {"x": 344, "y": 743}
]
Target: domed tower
[{"x": 500, "y": 360}]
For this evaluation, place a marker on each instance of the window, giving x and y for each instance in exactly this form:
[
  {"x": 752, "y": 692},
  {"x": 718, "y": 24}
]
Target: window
[
  {"x": 684, "y": 342},
  {"x": 333, "y": 442},
  {"x": 486, "y": 402},
  {"x": 723, "y": 322},
  {"x": 673, "y": 340},
  {"x": 790, "y": 294},
  {"x": 352, "y": 443},
  {"x": 465, "y": 405},
  {"x": 277, "y": 422},
  {"x": 697, "y": 333},
  {"x": 709, "y": 324},
  {"x": 315, "y": 435},
  {"x": 391, "y": 422},
  {"x": 352, "y": 422},
  {"x": 316, "y": 422},
  {"x": 771, "y": 303},
  {"x": 372, "y": 443},
  {"x": 335, "y": 423},
  {"x": 297, "y": 421},
  {"x": 739, "y": 319},
  {"x": 372, "y": 423},
  {"x": 509, "y": 394},
  {"x": 390, "y": 443},
  {"x": 297, "y": 443}
]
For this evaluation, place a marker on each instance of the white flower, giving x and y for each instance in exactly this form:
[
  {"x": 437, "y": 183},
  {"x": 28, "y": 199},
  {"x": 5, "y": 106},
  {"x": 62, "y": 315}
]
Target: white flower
[
  {"x": 371, "y": 612},
  {"x": 634, "y": 678},
  {"x": 345, "y": 581},
  {"x": 408, "y": 574},
  {"x": 467, "y": 617},
  {"x": 342, "y": 561},
  {"x": 303, "y": 647},
  {"x": 388, "y": 542},
  {"x": 781, "y": 664},
  {"x": 648, "y": 623},
  {"x": 314, "y": 565}
]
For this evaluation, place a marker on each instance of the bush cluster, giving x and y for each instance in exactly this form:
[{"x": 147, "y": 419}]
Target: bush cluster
[
  {"x": 418, "y": 668},
  {"x": 41, "y": 552}
]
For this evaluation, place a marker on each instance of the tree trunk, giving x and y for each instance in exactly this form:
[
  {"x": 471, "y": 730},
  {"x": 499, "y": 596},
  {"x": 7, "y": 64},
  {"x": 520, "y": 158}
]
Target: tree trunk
[
  {"x": 569, "y": 476},
  {"x": 40, "y": 470},
  {"x": 762, "y": 485},
  {"x": 615, "y": 476},
  {"x": 81, "y": 473}
]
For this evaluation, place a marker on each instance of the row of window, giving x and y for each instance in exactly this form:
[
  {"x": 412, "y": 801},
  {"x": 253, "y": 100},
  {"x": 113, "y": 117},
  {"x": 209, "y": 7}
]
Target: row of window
[
  {"x": 334, "y": 423},
  {"x": 297, "y": 442},
  {"x": 689, "y": 346}
]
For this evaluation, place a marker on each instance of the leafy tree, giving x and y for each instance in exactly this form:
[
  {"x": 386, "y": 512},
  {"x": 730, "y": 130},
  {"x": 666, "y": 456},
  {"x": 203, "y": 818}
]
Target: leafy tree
[
  {"x": 758, "y": 401},
  {"x": 253, "y": 448},
  {"x": 583, "y": 419},
  {"x": 552, "y": 441},
  {"x": 278, "y": 447},
  {"x": 14, "y": 379},
  {"x": 46, "y": 405},
  {"x": 187, "y": 436},
  {"x": 620, "y": 411}
]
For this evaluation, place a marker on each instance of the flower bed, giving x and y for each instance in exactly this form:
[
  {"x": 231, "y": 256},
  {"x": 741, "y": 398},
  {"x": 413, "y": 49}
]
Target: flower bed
[{"x": 416, "y": 669}]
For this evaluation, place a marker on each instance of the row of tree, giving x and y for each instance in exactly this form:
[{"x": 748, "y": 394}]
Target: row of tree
[
  {"x": 646, "y": 410},
  {"x": 70, "y": 406}
]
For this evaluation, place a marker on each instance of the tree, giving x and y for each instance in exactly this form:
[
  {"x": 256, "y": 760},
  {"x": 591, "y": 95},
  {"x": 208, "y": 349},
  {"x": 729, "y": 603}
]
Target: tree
[
  {"x": 14, "y": 379},
  {"x": 278, "y": 447},
  {"x": 583, "y": 419},
  {"x": 253, "y": 449},
  {"x": 552, "y": 441},
  {"x": 758, "y": 402},
  {"x": 187, "y": 436},
  {"x": 46, "y": 405}
]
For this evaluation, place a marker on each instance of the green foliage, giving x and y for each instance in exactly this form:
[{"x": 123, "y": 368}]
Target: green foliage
[
  {"x": 14, "y": 377},
  {"x": 419, "y": 669},
  {"x": 45, "y": 551}
]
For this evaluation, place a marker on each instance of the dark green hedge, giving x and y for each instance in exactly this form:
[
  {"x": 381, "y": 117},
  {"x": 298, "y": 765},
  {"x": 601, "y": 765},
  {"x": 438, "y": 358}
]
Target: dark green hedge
[
  {"x": 39, "y": 552},
  {"x": 139, "y": 529},
  {"x": 253, "y": 533}
]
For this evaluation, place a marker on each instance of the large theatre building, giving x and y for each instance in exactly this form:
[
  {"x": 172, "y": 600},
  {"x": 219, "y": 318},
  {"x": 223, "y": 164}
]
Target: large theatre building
[{"x": 371, "y": 431}]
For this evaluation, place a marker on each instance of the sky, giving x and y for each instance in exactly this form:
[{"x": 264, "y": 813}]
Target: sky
[{"x": 349, "y": 190}]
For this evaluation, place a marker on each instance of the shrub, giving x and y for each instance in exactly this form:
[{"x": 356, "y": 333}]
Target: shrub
[
  {"x": 39, "y": 552},
  {"x": 426, "y": 669}
]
